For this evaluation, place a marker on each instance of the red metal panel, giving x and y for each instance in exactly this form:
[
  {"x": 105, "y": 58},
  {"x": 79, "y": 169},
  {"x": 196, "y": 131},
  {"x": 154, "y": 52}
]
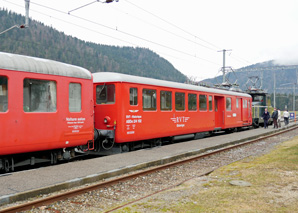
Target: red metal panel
[
  {"x": 134, "y": 124},
  {"x": 22, "y": 132}
]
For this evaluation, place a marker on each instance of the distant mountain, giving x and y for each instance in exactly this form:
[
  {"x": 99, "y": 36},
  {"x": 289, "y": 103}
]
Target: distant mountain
[
  {"x": 45, "y": 42},
  {"x": 265, "y": 72}
]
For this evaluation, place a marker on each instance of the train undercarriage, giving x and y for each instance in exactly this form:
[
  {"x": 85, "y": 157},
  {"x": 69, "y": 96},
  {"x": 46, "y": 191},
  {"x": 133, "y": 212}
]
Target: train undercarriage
[
  {"x": 105, "y": 144},
  {"x": 9, "y": 163}
]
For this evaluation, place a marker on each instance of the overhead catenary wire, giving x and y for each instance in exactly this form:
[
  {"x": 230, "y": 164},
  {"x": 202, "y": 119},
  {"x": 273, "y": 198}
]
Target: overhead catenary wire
[
  {"x": 77, "y": 25},
  {"x": 239, "y": 59},
  {"x": 165, "y": 30},
  {"x": 171, "y": 24},
  {"x": 82, "y": 6},
  {"x": 85, "y": 5},
  {"x": 126, "y": 33},
  {"x": 173, "y": 49},
  {"x": 92, "y": 30},
  {"x": 215, "y": 47}
]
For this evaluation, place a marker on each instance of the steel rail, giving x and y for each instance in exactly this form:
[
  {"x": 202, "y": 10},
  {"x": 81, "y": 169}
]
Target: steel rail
[{"x": 69, "y": 194}]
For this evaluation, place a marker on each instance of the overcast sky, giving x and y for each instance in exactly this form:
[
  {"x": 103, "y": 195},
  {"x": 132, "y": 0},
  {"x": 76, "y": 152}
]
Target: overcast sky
[{"x": 189, "y": 34}]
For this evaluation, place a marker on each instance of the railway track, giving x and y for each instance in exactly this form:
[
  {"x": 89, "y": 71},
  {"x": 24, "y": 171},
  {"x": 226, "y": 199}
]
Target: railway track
[{"x": 119, "y": 192}]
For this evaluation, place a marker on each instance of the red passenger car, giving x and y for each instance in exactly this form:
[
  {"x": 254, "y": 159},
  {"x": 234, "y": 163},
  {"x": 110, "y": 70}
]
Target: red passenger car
[
  {"x": 42, "y": 108},
  {"x": 132, "y": 110}
]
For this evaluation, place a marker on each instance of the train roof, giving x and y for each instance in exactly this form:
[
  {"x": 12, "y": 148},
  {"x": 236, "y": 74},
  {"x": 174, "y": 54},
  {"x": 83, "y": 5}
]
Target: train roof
[
  {"x": 16, "y": 62},
  {"x": 103, "y": 77}
]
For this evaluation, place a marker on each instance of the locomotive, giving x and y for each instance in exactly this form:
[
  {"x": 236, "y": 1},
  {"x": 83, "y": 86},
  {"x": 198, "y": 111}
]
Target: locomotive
[
  {"x": 52, "y": 111},
  {"x": 260, "y": 101}
]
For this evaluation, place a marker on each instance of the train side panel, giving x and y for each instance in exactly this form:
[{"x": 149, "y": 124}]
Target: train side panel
[
  {"x": 142, "y": 112},
  {"x": 132, "y": 108},
  {"x": 157, "y": 120},
  {"x": 36, "y": 115}
]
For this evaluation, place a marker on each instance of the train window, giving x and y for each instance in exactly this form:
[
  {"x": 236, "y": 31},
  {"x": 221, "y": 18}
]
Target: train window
[
  {"x": 216, "y": 105},
  {"x": 3, "y": 94},
  {"x": 258, "y": 98},
  {"x": 192, "y": 102},
  {"x": 39, "y": 96},
  {"x": 133, "y": 96},
  {"x": 165, "y": 100},
  {"x": 244, "y": 104},
  {"x": 179, "y": 101},
  {"x": 237, "y": 103},
  {"x": 149, "y": 99},
  {"x": 228, "y": 104},
  {"x": 75, "y": 97},
  {"x": 203, "y": 102},
  {"x": 210, "y": 103},
  {"x": 105, "y": 94}
]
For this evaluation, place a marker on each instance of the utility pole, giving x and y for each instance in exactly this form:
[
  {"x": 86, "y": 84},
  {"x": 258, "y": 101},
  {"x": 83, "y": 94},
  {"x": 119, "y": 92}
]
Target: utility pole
[
  {"x": 27, "y": 2},
  {"x": 224, "y": 65}
]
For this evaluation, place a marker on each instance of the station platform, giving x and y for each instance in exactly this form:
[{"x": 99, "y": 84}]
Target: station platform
[{"x": 20, "y": 185}]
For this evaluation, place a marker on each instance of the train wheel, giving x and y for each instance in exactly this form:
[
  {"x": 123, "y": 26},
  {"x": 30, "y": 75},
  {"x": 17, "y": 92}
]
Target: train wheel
[
  {"x": 124, "y": 148},
  {"x": 230, "y": 130},
  {"x": 6, "y": 165},
  {"x": 158, "y": 142},
  {"x": 255, "y": 123}
]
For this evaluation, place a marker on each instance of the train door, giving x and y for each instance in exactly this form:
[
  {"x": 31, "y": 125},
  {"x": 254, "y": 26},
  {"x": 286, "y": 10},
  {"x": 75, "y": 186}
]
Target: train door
[
  {"x": 241, "y": 107},
  {"x": 244, "y": 110},
  {"x": 238, "y": 109},
  {"x": 219, "y": 112}
]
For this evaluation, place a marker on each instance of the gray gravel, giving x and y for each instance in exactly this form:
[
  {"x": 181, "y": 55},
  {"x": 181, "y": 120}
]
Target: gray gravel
[{"x": 152, "y": 185}]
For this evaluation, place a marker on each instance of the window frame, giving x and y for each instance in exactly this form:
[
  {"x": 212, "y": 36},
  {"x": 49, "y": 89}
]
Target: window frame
[
  {"x": 195, "y": 102},
  {"x": 182, "y": 102},
  {"x": 4, "y": 95},
  {"x": 162, "y": 107},
  {"x": 201, "y": 103},
  {"x": 210, "y": 104},
  {"x": 133, "y": 96},
  {"x": 152, "y": 98},
  {"x": 228, "y": 104},
  {"x": 70, "y": 101},
  {"x": 98, "y": 92},
  {"x": 28, "y": 99},
  {"x": 244, "y": 103}
]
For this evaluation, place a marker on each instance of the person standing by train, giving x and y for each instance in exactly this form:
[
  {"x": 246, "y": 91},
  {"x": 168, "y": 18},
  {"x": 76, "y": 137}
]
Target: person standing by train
[
  {"x": 278, "y": 118},
  {"x": 274, "y": 117},
  {"x": 266, "y": 117},
  {"x": 286, "y": 117}
]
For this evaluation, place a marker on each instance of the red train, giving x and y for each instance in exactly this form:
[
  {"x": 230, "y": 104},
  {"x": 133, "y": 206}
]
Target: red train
[
  {"x": 134, "y": 111},
  {"x": 48, "y": 112},
  {"x": 44, "y": 105}
]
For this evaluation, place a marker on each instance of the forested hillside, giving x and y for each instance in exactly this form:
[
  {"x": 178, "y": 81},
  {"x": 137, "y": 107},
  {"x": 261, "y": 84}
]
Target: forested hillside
[
  {"x": 42, "y": 41},
  {"x": 285, "y": 81},
  {"x": 282, "y": 76}
]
